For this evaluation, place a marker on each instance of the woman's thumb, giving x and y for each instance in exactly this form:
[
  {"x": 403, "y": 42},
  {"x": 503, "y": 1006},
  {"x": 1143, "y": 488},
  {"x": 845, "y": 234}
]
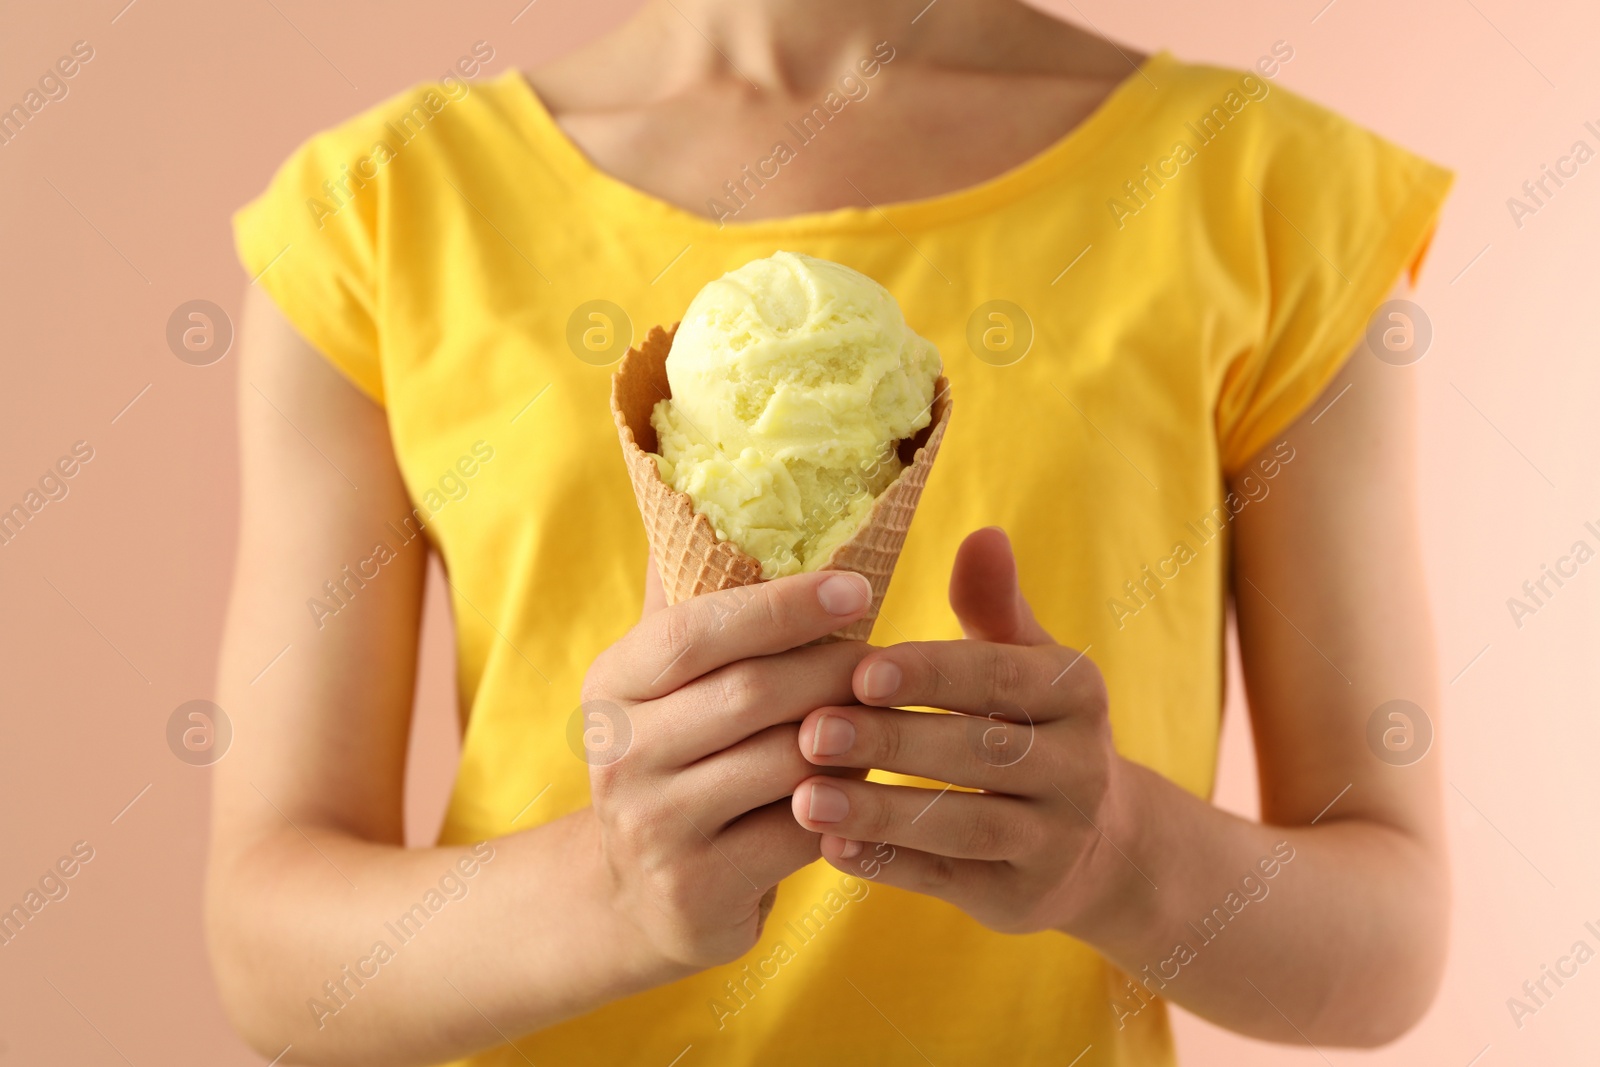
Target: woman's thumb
[{"x": 985, "y": 594}]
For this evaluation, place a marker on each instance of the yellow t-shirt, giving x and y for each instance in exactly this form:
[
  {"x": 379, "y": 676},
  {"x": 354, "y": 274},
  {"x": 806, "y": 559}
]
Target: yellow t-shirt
[{"x": 1182, "y": 274}]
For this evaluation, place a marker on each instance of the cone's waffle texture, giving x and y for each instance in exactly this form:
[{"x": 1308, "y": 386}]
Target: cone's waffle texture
[{"x": 688, "y": 554}]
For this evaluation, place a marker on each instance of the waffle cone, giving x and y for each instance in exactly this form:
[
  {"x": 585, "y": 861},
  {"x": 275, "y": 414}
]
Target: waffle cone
[{"x": 690, "y": 558}]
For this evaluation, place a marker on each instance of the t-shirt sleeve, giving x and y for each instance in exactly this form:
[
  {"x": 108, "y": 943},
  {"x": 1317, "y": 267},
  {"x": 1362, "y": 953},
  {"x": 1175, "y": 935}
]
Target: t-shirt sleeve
[
  {"x": 1343, "y": 213},
  {"x": 310, "y": 240}
]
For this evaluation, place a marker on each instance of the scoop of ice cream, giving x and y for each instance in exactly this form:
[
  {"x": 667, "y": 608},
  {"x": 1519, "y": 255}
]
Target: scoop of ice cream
[{"x": 793, "y": 381}]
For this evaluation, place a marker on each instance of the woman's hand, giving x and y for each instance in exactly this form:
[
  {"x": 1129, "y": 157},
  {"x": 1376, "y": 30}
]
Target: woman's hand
[
  {"x": 690, "y": 725},
  {"x": 1028, "y": 853}
]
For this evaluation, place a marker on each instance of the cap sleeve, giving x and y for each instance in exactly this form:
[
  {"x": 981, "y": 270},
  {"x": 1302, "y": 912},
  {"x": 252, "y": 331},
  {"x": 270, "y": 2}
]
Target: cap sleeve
[
  {"x": 1342, "y": 213},
  {"x": 310, "y": 241}
]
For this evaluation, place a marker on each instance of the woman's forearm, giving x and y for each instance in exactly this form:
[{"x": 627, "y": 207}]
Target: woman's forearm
[
  {"x": 1327, "y": 934},
  {"x": 358, "y": 953}
]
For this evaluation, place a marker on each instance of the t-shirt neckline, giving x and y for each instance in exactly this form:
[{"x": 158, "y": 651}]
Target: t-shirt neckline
[{"x": 559, "y": 150}]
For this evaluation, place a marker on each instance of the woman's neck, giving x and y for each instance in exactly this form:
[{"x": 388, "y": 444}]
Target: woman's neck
[
  {"x": 687, "y": 92},
  {"x": 796, "y": 46}
]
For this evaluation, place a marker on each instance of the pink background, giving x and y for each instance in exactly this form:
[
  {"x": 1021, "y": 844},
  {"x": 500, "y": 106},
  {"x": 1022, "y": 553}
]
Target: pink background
[{"x": 116, "y": 203}]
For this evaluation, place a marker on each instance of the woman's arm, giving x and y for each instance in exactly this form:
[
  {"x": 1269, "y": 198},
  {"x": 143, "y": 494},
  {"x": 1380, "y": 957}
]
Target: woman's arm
[
  {"x": 664, "y": 875},
  {"x": 1325, "y": 922},
  {"x": 307, "y": 863},
  {"x": 1333, "y": 623}
]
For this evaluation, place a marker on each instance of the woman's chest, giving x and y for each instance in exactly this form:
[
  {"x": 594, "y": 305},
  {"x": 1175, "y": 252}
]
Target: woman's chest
[{"x": 499, "y": 404}]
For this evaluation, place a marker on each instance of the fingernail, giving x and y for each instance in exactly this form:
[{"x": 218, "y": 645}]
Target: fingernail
[
  {"x": 832, "y": 736},
  {"x": 881, "y": 680},
  {"x": 827, "y": 804},
  {"x": 844, "y": 594},
  {"x": 851, "y": 850}
]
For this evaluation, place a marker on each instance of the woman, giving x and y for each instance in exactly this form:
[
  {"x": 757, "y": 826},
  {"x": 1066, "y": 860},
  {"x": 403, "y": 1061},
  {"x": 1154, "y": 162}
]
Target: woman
[{"x": 1149, "y": 282}]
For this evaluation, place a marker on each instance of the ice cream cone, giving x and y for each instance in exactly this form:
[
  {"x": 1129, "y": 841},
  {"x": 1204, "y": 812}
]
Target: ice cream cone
[{"x": 688, "y": 554}]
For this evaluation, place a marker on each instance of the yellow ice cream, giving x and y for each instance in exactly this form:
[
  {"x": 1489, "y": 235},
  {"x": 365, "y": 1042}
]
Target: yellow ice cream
[{"x": 793, "y": 380}]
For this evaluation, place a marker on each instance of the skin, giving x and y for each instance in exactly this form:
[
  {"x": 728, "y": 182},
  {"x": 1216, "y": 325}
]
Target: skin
[
  {"x": 670, "y": 868},
  {"x": 975, "y": 88}
]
